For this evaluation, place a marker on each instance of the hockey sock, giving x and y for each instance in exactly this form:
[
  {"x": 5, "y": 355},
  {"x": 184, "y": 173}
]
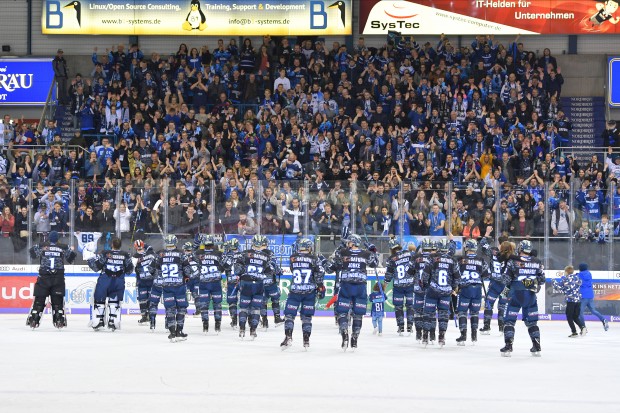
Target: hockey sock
[
  {"x": 509, "y": 332},
  {"x": 306, "y": 324},
  {"x": 474, "y": 320},
  {"x": 217, "y": 311},
  {"x": 534, "y": 332},
  {"x": 144, "y": 308},
  {"x": 357, "y": 324},
  {"x": 488, "y": 315},
  {"x": 428, "y": 322},
  {"x": 171, "y": 318},
  {"x": 180, "y": 319},
  {"x": 443, "y": 316},
  {"x": 343, "y": 322},
  {"x": 232, "y": 309},
  {"x": 462, "y": 321},
  {"x": 400, "y": 316},
  {"x": 254, "y": 318},
  {"x": 289, "y": 322},
  {"x": 410, "y": 315}
]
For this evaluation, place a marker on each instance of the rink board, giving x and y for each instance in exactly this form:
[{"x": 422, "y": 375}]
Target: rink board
[{"x": 17, "y": 285}]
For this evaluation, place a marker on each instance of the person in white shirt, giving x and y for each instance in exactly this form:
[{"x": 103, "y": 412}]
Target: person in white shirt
[{"x": 282, "y": 80}]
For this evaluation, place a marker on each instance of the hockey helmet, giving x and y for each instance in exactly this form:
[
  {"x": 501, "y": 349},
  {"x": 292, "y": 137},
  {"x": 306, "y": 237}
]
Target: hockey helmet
[
  {"x": 233, "y": 244},
  {"x": 260, "y": 241},
  {"x": 170, "y": 241},
  {"x": 305, "y": 244},
  {"x": 138, "y": 244},
  {"x": 354, "y": 239},
  {"x": 525, "y": 246},
  {"x": 188, "y": 246},
  {"x": 443, "y": 245},
  {"x": 394, "y": 244},
  {"x": 471, "y": 245},
  {"x": 427, "y": 244}
]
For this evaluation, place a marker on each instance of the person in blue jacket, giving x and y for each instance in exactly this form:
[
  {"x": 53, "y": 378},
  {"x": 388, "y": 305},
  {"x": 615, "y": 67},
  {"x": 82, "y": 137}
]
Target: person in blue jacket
[
  {"x": 377, "y": 301},
  {"x": 587, "y": 295},
  {"x": 569, "y": 285}
]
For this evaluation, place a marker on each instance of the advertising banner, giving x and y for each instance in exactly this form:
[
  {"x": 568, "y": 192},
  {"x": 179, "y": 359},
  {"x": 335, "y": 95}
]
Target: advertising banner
[
  {"x": 25, "y": 81},
  {"x": 614, "y": 81},
  {"x": 197, "y": 17},
  {"x": 281, "y": 245},
  {"x": 499, "y": 17}
]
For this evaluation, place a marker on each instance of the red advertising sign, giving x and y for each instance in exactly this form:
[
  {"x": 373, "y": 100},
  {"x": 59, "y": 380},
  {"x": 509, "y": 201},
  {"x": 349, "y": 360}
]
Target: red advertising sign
[
  {"x": 499, "y": 17},
  {"x": 16, "y": 292}
]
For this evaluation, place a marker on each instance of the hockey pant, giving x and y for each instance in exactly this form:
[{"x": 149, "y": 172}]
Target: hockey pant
[
  {"x": 144, "y": 294},
  {"x": 272, "y": 291},
  {"x": 54, "y": 287},
  {"x": 250, "y": 303},
  {"x": 175, "y": 303},
  {"x": 207, "y": 292},
  {"x": 470, "y": 300},
  {"x": 351, "y": 297},
  {"x": 403, "y": 300},
  {"x": 435, "y": 303},
  {"x": 494, "y": 292},
  {"x": 112, "y": 288},
  {"x": 525, "y": 301},
  {"x": 418, "y": 309},
  {"x": 305, "y": 304}
]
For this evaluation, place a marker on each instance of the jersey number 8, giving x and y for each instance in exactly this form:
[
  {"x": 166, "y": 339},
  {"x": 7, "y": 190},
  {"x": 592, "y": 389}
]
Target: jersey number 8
[{"x": 301, "y": 276}]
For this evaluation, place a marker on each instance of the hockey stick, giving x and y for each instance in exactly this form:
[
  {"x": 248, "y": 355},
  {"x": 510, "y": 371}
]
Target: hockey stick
[{"x": 453, "y": 312}]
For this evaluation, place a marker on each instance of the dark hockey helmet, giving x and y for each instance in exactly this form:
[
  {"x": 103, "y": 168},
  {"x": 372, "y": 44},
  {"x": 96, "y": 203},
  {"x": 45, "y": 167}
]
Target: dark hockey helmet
[
  {"x": 427, "y": 244},
  {"x": 471, "y": 245},
  {"x": 443, "y": 245},
  {"x": 394, "y": 244},
  {"x": 525, "y": 246},
  {"x": 305, "y": 244},
  {"x": 354, "y": 239},
  {"x": 188, "y": 246},
  {"x": 208, "y": 239},
  {"x": 233, "y": 244},
  {"x": 170, "y": 241},
  {"x": 260, "y": 241}
]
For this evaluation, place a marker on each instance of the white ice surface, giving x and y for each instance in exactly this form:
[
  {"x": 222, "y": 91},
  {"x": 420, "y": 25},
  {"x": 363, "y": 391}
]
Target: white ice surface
[{"x": 133, "y": 370}]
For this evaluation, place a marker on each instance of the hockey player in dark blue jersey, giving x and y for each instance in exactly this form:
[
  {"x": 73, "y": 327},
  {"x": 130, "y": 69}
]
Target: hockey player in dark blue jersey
[
  {"x": 211, "y": 268},
  {"x": 272, "y": 293},
  {"x": 419, "y": 264},
  {"x": 525, "y": 276},
  {"x": 142, "y": 260},
  {"x": 352, "y": 264},
  {"x": 173, "y": 269},
  {"x": 398, "y": 270},
  {"x": 306, "y": 286},
  {"x": 331, "y": 267},
  {"x": 51, "y": 280},
  {"x": 192, "y": 284},
  {"x": 499, "y": 260},
  {"x": 441, "y": 280},
  {"x": 473, "y": 268},
  {"x": 231, "y": 254},
  {"x": 113, "y": 264},
  {"x": 252, "y": 267}
]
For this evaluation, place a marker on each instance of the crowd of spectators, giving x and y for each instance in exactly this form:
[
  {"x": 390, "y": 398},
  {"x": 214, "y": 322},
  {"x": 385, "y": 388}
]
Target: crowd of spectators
[{"x": 282, "y": 136}]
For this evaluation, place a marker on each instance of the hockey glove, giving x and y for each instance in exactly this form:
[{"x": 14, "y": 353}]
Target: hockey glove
[
  {"x": 320, "y": 291},
  {"x": 371, "y": 247},
  {"x": 505, "y": 292}
]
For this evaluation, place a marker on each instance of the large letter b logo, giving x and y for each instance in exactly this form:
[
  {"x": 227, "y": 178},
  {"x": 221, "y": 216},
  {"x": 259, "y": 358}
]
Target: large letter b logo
[
  {"x": 53, "y": 15},
  {"x": 318, "y": 17}
]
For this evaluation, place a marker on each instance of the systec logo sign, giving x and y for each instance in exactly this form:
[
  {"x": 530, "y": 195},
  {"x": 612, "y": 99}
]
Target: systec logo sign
[
  {"x": 318, "y": 14},
  {"x": 396, "y": 15}
]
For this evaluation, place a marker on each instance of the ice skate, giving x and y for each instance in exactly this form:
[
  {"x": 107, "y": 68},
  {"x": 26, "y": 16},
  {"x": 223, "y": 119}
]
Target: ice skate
[
  {"x": 218, "y": 327},
  {"x": 345, "y": 340},
  {"x": 253, "y": 334},
  {"x": 486, "y": 328},
  {"x": 152, "y": 326},
  {"x": 277, "y": 320},
  {"x": 462, "y": 339},
  {"x": 418, "y": 335},
  {"x": 442, "y": 339},
  {"x": 374, "y": 331},
  {"x": 205, "y": 326},
  {"x": 425, "y": 338},
  {"x": 573, "y": 335},
  {"x": 409, "y": 330},
  {"x": 431, "y": 337},
  {"x": 197, "y": 313},
  {"x": 584, "y": 331},
  {"x": 99, "y": 325},
  {"x": 288, "y": 340},
  {"x": 535, "y": 350},
  {"x": 233, "y": 322},
  {"x": 506, "y": 351},
  {"x": 172, "y": 336},
  {"x": 354, "y": 341},
  {"x": 605, "y": 325},
  {"x": 474, "y": 336},
  {"x": 400, "y": 330},
  {"x": 264, "y": 323},
  {"x": 241, "y": 333},
  {"x": 306, "y": 340},
  {"x": 59, "y": 319},
  {"x": 144, "y": 320},
  {"x": 180, "y": 335}
]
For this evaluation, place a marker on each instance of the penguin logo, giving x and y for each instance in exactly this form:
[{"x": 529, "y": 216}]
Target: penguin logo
[
  {"x": 78, "y": 10},
  {"x": 341, "y": 6},
  {"x": 195, "y": 19}
]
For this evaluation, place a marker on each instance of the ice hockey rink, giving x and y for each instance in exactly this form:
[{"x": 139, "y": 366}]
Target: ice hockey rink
[{"x": 76, "y": 370}]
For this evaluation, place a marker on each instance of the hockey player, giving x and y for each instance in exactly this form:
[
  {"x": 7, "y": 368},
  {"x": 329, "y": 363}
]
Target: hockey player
[
  {"x": 231, "y": 254},
  {"x": 473, "y": 268},
  {"x": 440, "y": 279},
  {"x": 173, "y": 268},
  {"x": 499, "y": 259},
  {"x": 113, "y": 264},
  {"x": 397, "y": 269},
  {"x": 420, "y": 263},
  {"x": 142, "y": 260},
  {"x": 154, "y": 298},
  {"x": 353, "y": 264},
  {"x": 330, "y": 267},
  {"x": 525, "y": 276},
  {"x": 252, "y": 267},
  {"x": 272, "y": 292},
  {"x": 51, "y": 280},
  {"x": 192, "y": 284},
  {"x": 211, "y": 268},
  {"x": 306, "y": 287}
]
